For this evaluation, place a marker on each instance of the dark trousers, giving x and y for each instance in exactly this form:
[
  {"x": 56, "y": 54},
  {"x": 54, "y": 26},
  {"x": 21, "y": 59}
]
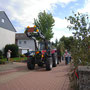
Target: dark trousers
[
  {"x": 66, "y": 60},
  {"x": 7, "y": 59}
]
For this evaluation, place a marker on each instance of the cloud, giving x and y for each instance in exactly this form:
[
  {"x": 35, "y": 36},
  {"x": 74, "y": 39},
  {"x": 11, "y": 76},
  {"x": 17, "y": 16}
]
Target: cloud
[
  {"x": 24, "y": 12},
  {"x": 60, "y": 29},
  {"x": 62, "y": 32},
  {"x": 86, "y": 7},
  {"x": 60, "y": 23}
]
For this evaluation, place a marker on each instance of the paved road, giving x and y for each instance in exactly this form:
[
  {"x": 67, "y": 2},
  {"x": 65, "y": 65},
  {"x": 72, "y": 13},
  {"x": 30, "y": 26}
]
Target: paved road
[{"x": 16, "y": 76}]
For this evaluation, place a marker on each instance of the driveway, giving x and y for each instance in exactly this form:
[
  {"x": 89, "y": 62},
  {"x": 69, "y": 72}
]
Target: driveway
[{"x": 16, "y": 76}]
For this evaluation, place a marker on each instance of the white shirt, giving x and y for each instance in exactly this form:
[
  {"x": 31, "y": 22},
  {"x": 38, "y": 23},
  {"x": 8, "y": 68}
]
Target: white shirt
[{"x": 8, "y": 54}]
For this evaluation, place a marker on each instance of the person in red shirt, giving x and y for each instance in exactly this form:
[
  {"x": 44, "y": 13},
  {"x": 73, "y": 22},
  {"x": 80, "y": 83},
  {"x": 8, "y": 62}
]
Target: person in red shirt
[{"x": 66, "y": 55}]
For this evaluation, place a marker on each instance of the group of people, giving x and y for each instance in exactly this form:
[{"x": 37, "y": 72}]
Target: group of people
[{"x": 67, "y": 57}]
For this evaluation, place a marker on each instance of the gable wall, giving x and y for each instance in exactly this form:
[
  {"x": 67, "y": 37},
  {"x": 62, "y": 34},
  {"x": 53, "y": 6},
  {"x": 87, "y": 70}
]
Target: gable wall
[
  {"x": 6, "y": 37},
  {"x": 5, "y": 22}
]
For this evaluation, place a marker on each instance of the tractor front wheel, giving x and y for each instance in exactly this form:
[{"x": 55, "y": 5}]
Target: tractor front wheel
[{"x": 30, "y": 64}]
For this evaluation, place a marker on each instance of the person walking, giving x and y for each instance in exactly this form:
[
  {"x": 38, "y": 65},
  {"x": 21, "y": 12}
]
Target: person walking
[
  {"x": 8, "y": 55},
  {"x": 66, "y": 55},
  {"x": 59, "y": 54},
  {"x": 69, "y": 57}
]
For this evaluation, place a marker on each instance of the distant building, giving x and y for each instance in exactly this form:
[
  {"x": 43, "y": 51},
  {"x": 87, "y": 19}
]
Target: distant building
[
  {"x": 7, "y": 31},
  {"x": 24, "y": 43}
]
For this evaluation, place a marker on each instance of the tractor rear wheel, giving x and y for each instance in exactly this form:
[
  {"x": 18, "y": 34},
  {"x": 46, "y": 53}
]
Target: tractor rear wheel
[
  {"x": 55, "y": 60},
  {"x": 49, "y": 64},
  {"x": 58, "y": 61}
]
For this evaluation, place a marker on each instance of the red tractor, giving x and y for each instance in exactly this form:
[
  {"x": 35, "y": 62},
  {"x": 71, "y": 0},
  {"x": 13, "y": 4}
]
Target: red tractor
[{"x": 44, "y": 54}]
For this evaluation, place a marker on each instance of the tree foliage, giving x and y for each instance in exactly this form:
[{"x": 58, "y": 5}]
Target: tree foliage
[
  {"x": 1, "y": 54},
  {"x": 56, "y": 43},
  {"x": 13, "y": 48},
  {"x": 45, "y": 23},
  {"x": 67, "y": 41},
  {"x": 62, "y": 47},
  {"x": 80, "y": 25}
]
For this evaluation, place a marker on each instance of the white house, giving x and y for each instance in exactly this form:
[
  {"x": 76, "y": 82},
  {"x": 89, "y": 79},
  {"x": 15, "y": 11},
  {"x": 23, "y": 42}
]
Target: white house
[
  {"x": 7, "y": 31},
  {"x": 24, "y": 43}
]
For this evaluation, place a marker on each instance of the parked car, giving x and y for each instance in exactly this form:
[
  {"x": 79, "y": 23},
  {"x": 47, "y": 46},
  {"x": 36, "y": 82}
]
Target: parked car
[{"x": 30, "y": 53}]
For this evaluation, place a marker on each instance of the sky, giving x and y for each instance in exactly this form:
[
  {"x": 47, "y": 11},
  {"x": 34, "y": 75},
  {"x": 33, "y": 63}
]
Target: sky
[{"x": 22, "y": 13}]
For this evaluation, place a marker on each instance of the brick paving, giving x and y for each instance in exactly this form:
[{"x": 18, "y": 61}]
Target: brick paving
[{"x": 20, "y": 78}]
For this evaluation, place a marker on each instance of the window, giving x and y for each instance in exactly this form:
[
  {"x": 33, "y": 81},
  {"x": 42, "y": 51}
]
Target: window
[
  {"x": 21, "y": 35},
  {"x": 19, "y": 42},
  {"x": 2, "y": 20},
  {"x": 24, "y": 42}
]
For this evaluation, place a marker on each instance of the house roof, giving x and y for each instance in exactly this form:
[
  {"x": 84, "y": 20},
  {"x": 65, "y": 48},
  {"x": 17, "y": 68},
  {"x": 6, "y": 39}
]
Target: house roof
[
  {"x": 5, "y": 22},
  {"x": 21, "y": 36}
]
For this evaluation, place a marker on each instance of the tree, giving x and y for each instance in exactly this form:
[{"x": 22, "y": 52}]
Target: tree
[
  {"x": 13, "y": 48},
  {"x": 45, "y": 23},
  {"x": 68, "y": 41},
  {"x": 80, "y": 25},
  {"x": 62, "y": 47},
  {"x": 56, "y": 43},
  {"x": 65, "y": 41}
]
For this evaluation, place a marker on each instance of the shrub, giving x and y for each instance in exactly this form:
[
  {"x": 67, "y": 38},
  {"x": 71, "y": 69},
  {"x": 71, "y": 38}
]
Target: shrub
[
  {"x": 80, "y": 25},
  {"x": 22, "y": 55},
  {"x": 13, "y": 48},
  {"x": 2, "y": 61},
  {"x": 1, "y": 54}
]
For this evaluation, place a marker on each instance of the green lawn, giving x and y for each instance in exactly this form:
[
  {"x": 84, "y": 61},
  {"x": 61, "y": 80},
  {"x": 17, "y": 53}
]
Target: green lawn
[{"x": 16, "y": 59}]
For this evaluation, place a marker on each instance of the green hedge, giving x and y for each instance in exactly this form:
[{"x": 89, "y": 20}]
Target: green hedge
[
  {"x": 13, "y": 48},
  {"x": 1, "y": 54},
  {"x": 3, "y": 61}
]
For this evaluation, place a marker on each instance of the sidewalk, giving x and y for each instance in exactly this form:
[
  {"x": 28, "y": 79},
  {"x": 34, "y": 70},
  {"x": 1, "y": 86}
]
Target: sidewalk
[
  {"x": 11, "y": 67},
  {"x": 38, "y": 79}
]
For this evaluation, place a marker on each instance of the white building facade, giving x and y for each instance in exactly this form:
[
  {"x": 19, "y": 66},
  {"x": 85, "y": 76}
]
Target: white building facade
[
  {"x": 6, "y": 37},
  {"x": 24, "y": 43},
  {"x": 7, "y": 31}
]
